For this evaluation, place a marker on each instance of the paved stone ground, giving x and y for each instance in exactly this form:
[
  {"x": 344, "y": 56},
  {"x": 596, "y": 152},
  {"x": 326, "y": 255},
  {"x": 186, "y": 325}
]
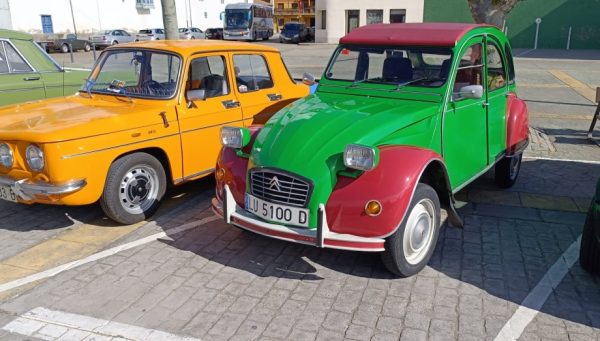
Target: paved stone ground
[{"x": 215, "y": 282}]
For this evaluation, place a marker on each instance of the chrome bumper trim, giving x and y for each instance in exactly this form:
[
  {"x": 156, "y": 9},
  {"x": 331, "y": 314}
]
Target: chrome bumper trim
[{"x": 28, "y": 190}]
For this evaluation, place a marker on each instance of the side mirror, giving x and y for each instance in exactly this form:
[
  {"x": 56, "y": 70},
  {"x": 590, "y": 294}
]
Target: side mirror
[
  {"x": 195, "y": 95},
  {"x": 308, "y": 79},
  {"x": 471, "y": 91}
]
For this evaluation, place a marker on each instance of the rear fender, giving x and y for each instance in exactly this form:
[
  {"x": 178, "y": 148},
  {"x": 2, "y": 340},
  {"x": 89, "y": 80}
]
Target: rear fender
[
  {"x": 235, "y": 168},
  {"x": 392, "y": 183},
  {"x": 517, "y": 128}
]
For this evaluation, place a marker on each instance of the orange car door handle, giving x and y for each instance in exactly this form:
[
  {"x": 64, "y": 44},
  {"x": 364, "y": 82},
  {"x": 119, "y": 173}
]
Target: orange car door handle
[
  {"x": 230, "y": 104},
  {"x": 163, "y": 115},
  {"x": 32, "y": 78},
  {"x": 274, "y": 97}
]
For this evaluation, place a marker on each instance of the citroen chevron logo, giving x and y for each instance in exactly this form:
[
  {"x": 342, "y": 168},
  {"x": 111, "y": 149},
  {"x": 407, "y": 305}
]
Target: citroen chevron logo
[{"x": 274, "y": 184}]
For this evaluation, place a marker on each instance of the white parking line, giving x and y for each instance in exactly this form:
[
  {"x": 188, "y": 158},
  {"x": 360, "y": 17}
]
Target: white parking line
[
  {"x": 535, "y": 300},
  {"x": 53, "y": 325},
  {"x": 102, "y": 254}
]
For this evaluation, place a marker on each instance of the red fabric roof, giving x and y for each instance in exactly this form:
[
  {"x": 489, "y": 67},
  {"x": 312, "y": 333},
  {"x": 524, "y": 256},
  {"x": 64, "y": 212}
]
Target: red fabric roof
[{"x": 419, "y": 34}]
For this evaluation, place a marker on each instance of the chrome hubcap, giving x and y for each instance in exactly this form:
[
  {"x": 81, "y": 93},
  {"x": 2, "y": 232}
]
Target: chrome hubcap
[
  {"x": 418, "y": 234},
  {"x": 138, "y": 189}
]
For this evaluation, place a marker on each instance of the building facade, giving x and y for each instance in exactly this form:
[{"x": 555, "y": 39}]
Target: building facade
[
  {"x": 39, "y": 16},
  {"x": 334, "y": 18},
  {"x": 302, "y": 11}
]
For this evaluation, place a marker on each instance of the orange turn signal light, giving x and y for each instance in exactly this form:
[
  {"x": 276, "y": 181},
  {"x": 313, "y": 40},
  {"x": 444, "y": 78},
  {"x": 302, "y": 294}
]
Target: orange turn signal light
[
  {"x": 373, "y": 208},
  {"x": 220, "y": 174}
]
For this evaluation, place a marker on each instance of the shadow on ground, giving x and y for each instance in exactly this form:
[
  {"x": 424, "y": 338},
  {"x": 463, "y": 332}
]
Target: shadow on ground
[{"x": 502, "y": 252}]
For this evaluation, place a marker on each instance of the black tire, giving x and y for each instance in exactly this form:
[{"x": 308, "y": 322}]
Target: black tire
[
  {"x": 589, "y": 252},
  {"x": 115, "y": 42},
  {"x": 87, "y": 47},
  {"x": 507, "y": 170},
  {"x": 64, "y": 48},
  {"x": 425, "y": 203},
  {"x": 129, "y": 176}
]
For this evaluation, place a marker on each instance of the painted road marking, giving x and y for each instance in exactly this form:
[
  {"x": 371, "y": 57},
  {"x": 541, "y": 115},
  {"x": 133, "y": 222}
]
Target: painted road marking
[
  {"x": 535, "y": 300},
  {"x": 563, "y": 116},
  {"x": 100, "y": 255},
  {"x": 49, "y": 324},
  {"x": 593, "y": 162},
  {"x": 581, "y": 88}
]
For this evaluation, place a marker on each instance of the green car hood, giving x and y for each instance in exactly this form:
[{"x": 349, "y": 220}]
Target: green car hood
[{"x": 308, "y": 137}]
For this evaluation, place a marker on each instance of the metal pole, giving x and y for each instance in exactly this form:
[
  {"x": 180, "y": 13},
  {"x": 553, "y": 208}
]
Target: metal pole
[
  {"x": 71, "y": 52},
  {"x": 170, "y": 19},
  {"x": 73, "y": 17},
  {"x": 94, "y": 50},
  {"x": 98, "y": 11},
  {"x": 569, "y": 38},
  {"x": 538, "y": 21},
  {"x": 191, "y": 13},
  {"x": 187, "y": 14}
]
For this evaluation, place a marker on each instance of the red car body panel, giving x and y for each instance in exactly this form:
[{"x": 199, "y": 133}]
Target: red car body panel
[
  {"x": 392, "y": 183},
  {"x": 517, "y": 129}
]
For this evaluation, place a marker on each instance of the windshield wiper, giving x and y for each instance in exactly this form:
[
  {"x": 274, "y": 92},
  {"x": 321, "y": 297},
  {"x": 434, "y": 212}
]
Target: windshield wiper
[
  {"x": 401, "y": 85},
  {"x": 358, "y": 81}
]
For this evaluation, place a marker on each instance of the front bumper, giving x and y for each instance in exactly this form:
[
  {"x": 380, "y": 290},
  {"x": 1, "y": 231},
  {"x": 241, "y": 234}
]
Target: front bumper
[
  {"x": 319, "y": 237},
  {"x": 32, "y": 191}
]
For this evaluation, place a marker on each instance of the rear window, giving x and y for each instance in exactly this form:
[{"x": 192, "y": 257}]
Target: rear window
[{"x": 146, "y": 31}]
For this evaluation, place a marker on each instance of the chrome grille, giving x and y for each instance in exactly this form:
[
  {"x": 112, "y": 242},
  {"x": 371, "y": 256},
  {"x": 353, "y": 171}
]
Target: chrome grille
[{"x": 279, "y": 188}]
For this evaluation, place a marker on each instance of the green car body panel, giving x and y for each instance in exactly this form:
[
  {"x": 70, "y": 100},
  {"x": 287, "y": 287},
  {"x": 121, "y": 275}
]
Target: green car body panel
[
  {"x": 461, "y": 138},
  {"x": 35, "y": 75}
]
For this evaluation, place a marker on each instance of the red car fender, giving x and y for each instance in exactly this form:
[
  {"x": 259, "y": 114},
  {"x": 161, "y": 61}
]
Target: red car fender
[
  {"x": 235, "y": 168},
  {"x": 517, "y": 121},
  {"x": 392, "y": 183}
]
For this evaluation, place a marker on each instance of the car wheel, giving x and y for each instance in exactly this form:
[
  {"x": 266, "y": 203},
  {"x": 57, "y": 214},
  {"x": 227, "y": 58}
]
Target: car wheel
[
  {"x": 507, "y": 171},
  {"x": 409, "y": 249},
  {"x": 193, "y": 37},
  {"x": 589, "y": 252},
  {"x": 87, "y": 47},
  {"x": 64, "y": 48},
  {"x": 134, "y": 187},
  {"x": 114, "y": 42}
]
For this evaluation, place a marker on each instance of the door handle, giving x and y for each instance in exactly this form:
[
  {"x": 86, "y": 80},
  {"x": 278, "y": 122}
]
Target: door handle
[
  {"x": 274, "y": 97},
  {"x": 32, "y": 78},
  {"x": 229, "y": 104},
  {"x": 163, "y": 115}
]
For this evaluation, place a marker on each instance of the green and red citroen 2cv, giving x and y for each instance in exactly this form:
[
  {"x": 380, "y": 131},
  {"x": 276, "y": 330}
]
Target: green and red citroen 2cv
[{"x": 405, "y": 115}]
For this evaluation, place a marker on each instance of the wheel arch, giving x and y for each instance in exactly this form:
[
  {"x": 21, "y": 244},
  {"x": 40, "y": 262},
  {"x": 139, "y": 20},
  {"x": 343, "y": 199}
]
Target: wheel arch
[
  {"x": 159, "y": 154},
  {"x": 517, "y": 125},
  {"x": 435, "y": 175}
]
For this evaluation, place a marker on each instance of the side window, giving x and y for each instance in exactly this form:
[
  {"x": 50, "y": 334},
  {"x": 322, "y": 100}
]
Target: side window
[
  {"x": 3, "y": 63},
  {"x": 15, "y": 62},
  {"x": 251, "y": 72},
  {"x": 209, "y": 74},
  {"x": 511, "y": 65},
  {"x": 470, "y": 69},
  {"x": 123, "y": 33},
  {"x": 496, "y": 78}
]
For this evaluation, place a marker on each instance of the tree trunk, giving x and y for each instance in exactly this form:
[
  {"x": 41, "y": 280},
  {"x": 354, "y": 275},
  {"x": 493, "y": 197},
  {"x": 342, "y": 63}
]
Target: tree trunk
[
  {"x": 491, "y": 11},
  {"x": 170, "y": 19}
]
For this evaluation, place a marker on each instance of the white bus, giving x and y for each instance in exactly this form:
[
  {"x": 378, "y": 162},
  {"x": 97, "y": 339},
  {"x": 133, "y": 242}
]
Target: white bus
[{"x": 246, "y": 21}]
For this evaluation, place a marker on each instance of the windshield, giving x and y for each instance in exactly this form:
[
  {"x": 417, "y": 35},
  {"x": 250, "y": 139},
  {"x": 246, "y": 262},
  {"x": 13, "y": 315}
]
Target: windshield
[
  {"x": 138, "y": 73},
  {"x": 415, "y": 66},
  {"x": 182, "y": 30},
  {"x": 292, "y": 27},
  {"x": 237, "y": 18},
  {"x": 107, "y": 33}
]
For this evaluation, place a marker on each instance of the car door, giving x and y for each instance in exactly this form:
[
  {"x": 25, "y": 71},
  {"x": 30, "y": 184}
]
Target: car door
[
  {"x": 464, "y": 127},
  {"x": 127, "y": 38},
  {"x": 254, "y": 86},
  {"x": 19, "y": 82},
  {"x": 200, "y": 121},
  {"x": 497, "y": 89}
]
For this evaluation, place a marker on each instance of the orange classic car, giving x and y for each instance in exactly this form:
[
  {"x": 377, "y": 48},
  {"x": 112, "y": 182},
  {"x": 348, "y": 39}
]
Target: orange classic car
[{"x": 148, "y": 115}]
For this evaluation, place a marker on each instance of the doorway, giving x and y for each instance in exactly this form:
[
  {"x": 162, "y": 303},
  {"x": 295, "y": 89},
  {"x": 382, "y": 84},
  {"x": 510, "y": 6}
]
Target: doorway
[{"x": 352, "y": 21}]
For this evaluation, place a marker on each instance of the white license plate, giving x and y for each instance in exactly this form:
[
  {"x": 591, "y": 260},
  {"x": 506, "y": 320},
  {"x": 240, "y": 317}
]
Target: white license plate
[
  {"x": 277, "y": 213},
  {"x": 6, "y": 193}
]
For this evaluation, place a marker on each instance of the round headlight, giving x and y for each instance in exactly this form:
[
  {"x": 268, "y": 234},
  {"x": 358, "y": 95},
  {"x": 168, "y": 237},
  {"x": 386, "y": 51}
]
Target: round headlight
[
  {"x": 35, "y": 157},
  {"x": 6, "y": 156}
]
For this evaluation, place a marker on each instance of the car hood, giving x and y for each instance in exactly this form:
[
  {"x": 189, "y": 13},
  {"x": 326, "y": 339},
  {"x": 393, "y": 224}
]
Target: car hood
[
  {"x": 312, "y": 132},
  {"x": 74, "y": 117}
]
